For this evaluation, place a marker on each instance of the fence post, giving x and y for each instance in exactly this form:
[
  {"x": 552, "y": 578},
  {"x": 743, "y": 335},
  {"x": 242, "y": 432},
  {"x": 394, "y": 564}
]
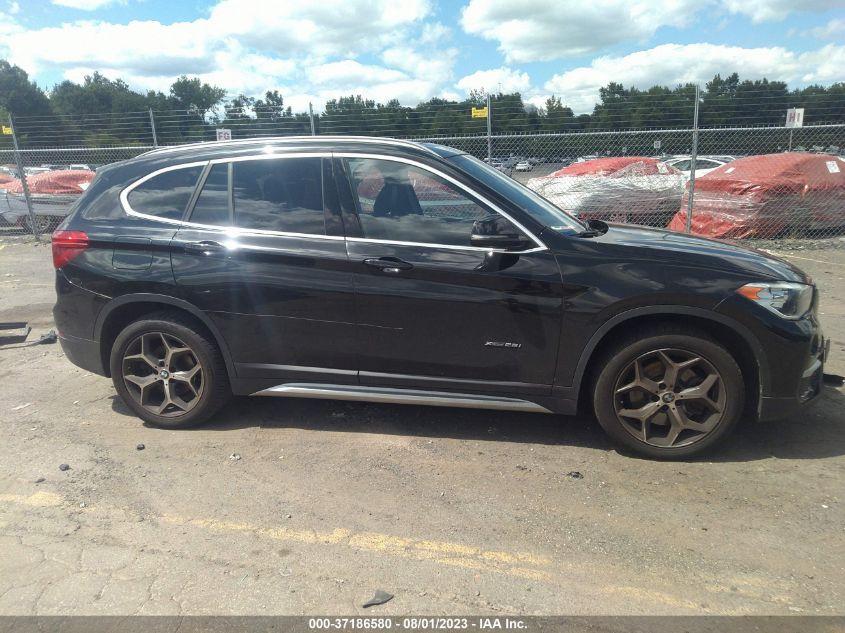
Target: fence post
[
  {"x": 311, "y": 117},
  {"x": 693, "y": 159},
  {"x": 489, "y": 130},
  {"x": 24, "y": 183},
  {"x": 153, "y": 128}
]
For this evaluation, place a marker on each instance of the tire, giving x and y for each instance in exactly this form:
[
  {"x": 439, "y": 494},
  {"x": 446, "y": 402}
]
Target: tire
[
  {"x": 149, "y": 354},
  {"x": 43, "y": 224},
  {"x": 645, "y": 393}
]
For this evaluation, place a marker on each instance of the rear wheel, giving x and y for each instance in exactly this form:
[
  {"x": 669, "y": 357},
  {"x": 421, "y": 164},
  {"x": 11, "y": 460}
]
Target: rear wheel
[
  {"x": 668, "y": 392},
  {"x": 43, "y": 223},
  {"x": 169, "y": 371}
]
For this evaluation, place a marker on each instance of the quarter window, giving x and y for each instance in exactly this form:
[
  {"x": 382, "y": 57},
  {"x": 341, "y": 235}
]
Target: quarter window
[
  {"x": 167, "y": 194},
  {"x": 279, "y": 194},
  {"x": 212, "y": 205},
  {"x": 401, "y": 202}
]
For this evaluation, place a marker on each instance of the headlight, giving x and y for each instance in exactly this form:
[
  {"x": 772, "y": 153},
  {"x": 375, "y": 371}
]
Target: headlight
[{"x": 786, "y": 299}]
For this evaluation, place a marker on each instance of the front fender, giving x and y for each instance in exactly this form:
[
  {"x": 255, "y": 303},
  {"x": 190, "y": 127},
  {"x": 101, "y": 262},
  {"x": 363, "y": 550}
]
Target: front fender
[{"x": 672, "y": 311}]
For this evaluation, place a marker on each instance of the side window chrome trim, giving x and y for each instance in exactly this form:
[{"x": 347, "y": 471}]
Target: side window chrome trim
[
  {"x": 233, "y": 230},
  {"x": 453, "y": 247},
  {"x": 124, "y": 195},
  {"x": 472, "y": 194}
]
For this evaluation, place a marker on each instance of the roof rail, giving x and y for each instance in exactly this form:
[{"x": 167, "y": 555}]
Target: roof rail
[{"x": 275, "y": 139}]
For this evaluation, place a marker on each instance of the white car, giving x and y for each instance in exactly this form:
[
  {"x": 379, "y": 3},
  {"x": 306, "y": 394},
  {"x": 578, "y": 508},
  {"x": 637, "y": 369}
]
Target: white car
[
  {"x": 523, "y": 165},
  {"x": 703, "y": 164}
]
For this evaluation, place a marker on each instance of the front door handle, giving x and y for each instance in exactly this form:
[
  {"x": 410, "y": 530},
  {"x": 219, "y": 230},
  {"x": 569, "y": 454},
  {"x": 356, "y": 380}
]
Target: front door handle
[
  {"x": 391, "y": 265},
  {"x": 206, "y": 247}
]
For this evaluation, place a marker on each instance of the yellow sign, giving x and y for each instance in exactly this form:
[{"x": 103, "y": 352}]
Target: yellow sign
[
  {"x": 479, "y": 113},
  {"x": 7, "y": 129}
]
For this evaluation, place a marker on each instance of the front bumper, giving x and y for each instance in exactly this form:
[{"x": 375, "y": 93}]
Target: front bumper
[{"x": 809, "y": 386}]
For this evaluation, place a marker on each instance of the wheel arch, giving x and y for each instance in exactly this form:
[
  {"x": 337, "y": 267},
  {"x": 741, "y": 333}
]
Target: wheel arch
[
  {"x": 125, "y": 309},
  {"x": 739, "y": 340}
]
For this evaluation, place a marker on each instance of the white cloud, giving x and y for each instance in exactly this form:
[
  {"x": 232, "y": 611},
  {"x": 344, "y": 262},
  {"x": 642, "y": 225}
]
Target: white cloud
[
  {"x": 768, "y": 10},
  {"x": 326, "y": 28},
  {"x": 531, "y": 31},
  {"x": 434, "y": 32},
  {"x": 275, "y": 29},
  {"x": 833, "y": 30},
  {"x": 182, "y": 47},
  {"x": 14, "y": 7},
  {"x": 672, "y": 64},
  {"x": 8, "y": 27},
  {"x": 250, "y": 46},
  {"x": 497, "y": 80},
  {"x": 85, "y": 5},
  {"x": 348, "y": 72},
  {"x": 528, "y": 31},
  {"x": 434, "y": 64}
]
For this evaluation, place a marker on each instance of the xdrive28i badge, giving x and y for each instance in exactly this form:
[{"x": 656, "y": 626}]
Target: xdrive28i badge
[{"x": 502, "y": 344}]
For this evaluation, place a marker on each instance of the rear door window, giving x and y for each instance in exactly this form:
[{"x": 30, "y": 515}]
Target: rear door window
[
  {"x": 167, "y": 194},
  {"x": 279, "y": 194}
]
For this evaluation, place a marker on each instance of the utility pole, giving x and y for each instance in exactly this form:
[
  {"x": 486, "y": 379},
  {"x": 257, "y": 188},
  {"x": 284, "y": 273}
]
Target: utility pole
[
  {"x": 489, "y": 130},
  {"x": 693, "y": 158},
  {"x": 311, "y": 117}
]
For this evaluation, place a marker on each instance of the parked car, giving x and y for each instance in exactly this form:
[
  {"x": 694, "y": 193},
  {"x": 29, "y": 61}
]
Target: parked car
[
  {"x": 634, "y": 189},
  {"x": 523, "y": 165},
  {"x": 392, "y": 271},
  {"x": 52, "y": 194},
  {"x": 703, "y": 164},
  {"x": 768, "y": 195}
]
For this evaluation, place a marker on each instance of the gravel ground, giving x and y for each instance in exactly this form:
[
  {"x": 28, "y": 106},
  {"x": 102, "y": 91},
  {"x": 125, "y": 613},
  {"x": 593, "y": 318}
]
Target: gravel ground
[{"x": 301, "y": 507}]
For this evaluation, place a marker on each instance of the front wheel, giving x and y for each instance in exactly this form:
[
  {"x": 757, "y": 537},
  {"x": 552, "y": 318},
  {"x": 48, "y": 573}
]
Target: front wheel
[
  {"x": 668, "y": 392},
  {"x": 169, "y": 371}
]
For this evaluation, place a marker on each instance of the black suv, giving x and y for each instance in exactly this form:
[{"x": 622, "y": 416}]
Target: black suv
[{"x": 391, "y": 271}]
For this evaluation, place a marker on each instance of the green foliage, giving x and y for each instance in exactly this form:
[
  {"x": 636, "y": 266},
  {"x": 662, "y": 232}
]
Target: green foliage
[{"x": 108, "y": 111}]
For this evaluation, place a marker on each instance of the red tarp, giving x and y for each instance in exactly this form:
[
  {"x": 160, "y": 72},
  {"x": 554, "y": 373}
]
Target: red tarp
[
  {"x": 762, "y": 196},
  {"x": 59, "y": 182},
  {"x": 627, "y": 165}
]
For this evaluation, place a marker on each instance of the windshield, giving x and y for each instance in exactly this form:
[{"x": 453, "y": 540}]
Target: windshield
[{"x": 532, "y": 203}]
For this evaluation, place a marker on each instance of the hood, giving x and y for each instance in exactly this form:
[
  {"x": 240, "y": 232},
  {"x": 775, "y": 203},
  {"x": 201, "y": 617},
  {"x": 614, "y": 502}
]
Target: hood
[{"x": 690, "y": 250}]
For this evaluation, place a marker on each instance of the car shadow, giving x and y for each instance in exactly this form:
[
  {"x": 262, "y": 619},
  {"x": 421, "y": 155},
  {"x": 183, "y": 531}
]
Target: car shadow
[{"x": 816, "y": 433}]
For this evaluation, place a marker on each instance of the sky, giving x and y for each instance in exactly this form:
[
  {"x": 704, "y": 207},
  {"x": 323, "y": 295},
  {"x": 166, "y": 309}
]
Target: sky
[{"x": 417, "y": 49}]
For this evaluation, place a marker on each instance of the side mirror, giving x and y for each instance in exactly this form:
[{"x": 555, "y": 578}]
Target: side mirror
[{"x": 497, "y": 231}]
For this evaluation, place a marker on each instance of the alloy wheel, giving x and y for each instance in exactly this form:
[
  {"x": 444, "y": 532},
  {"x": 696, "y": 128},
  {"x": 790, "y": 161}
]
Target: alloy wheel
[
  {"x": 163, "y": 374},
  {"x": 670, "y": 398}
]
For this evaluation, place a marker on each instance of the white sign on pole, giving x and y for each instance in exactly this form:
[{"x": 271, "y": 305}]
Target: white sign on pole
[
  {"x": 224, "y": 134},
  {"x": 795, "y": 117}
]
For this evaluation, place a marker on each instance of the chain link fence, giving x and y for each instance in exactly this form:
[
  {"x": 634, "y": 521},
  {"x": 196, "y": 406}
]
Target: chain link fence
[{"x": 740, "y": 182}]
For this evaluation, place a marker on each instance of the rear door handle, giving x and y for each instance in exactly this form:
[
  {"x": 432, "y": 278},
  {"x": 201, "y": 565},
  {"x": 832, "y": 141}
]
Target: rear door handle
[
  {"x": 388, "y": 264},
  {"x": 206, "y": 247}
]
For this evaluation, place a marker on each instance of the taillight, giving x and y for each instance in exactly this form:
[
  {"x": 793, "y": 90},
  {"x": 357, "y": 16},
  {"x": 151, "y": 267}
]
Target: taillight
[{"x": 67, "y": 245}]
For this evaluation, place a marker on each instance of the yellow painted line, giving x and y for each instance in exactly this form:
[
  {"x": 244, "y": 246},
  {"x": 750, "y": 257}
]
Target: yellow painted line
[
  {"x": 442, "y": 552},
  {"x": 515, "y": 564},
  {"x": 40, "y": 499}
]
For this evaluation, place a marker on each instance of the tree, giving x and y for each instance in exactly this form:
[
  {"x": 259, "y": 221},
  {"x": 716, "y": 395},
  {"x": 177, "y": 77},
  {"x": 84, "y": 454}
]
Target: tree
[
  {"x": 556, "y": 117},
  {"x": 22, "y": 98},
  {"x": 195, "y": 96}
]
